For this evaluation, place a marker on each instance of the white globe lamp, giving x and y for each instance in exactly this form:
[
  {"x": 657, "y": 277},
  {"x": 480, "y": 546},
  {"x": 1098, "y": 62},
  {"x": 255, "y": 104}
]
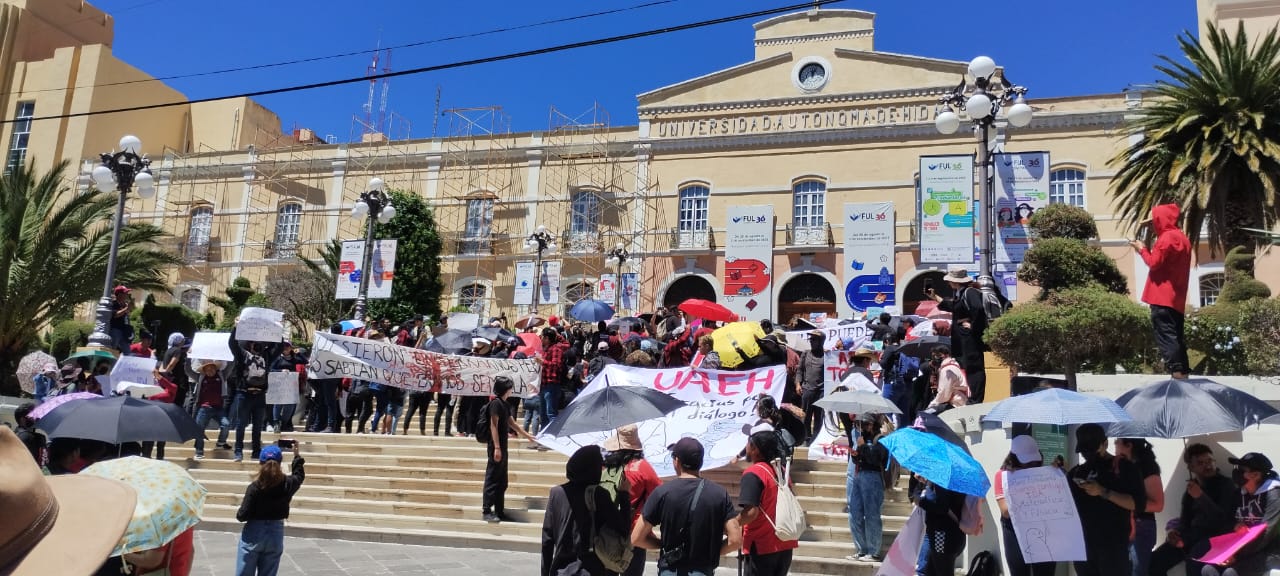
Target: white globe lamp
[
  {"x": 982, "y": 67},
  {"x": 978, "y": 106},
  {"x": 130, "y": 143},
  {"x": 1020, "y": 113},
  {"x": 947, "y": 122}
]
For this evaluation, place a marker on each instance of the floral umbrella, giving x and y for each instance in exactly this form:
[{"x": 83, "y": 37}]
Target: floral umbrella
[
  {"x": 169, "y": 500},
  {"x": 29, "y": 366},
  {"x": 49, "y": 404}
]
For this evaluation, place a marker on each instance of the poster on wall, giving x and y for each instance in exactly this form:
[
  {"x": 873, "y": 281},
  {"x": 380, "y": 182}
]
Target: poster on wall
[
  {"x": 607, "y": 288},
  {"x": 349, "y": 262},
  {"x": 549, "y": 282},
  {"x": 748, "y": 262},
  {"x": 524, "y": 283},
  {"x": 384, "y": 268},
  {"x": 868, "y": 255},
  {"x": 1021, "y": 189},
  {"x": 946, "y": 209},
  {"x": 630, "y": 291}
]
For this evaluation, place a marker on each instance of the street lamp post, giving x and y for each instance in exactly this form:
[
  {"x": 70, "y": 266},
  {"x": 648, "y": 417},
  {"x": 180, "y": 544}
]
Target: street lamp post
[
  {"x": 540, "y": 241},
  {"x": 373, "y": 200},
  {"x": 618, "y": 255},
  {"x": 983, "y": 101},
  {"x": 122, "y": 171}
]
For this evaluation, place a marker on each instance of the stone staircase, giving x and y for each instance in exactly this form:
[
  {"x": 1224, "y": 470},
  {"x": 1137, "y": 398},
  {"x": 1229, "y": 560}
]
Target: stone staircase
[{"x": 425, "y": 490}]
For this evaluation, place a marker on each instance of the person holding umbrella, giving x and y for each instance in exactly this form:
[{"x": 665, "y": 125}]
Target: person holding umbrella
[
  {"x": 942, "y": 510},
  {"x": 1207, "y": 507},
  {"x": 264, "y": 510}
]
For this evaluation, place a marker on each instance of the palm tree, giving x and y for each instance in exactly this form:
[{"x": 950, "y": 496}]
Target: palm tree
[
  {"x": 305, "y": 293},
  {"x": 1209, "y": 140},
  {"x": 54, "y": 246}
]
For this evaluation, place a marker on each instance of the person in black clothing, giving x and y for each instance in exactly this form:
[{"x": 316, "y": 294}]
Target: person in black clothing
[
  {"x": 568, "y": 525},
  {"x": 249, "y": 406},
  {"x": 419, "y": 401},
  {"x": 1105, "y": 489},
  {"x": 811, "y": 378},
  {"x": 942, "y": 509},
  {"x": 359, "y": 405},
  {"x": 501, "y": 423},
  {"x": 444, "y": 407},
  {"x": 864, "y": 485},
  {"x": 699, "y": 522},
  {"x": 264, "y": 510},
  {"x": 1206, "y": 512},
  {"x": 328, "y": 413},
  {"x": 968, "y": 323},
  {"x": 881, "y": 327},
  {"x": 26, "y": 432}
]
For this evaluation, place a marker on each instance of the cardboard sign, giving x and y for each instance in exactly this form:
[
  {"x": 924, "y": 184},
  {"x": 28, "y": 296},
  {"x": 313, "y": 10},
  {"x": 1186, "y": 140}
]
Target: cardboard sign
[
  {"x": 463, "y": 321},
  {"x": 1044, "y": 515},
  {"x": 133, "y": 370},
  {"x": 282, "y": 388},
  {"x": 260, "y": 325},
  {"x": 211, "y": 346}
]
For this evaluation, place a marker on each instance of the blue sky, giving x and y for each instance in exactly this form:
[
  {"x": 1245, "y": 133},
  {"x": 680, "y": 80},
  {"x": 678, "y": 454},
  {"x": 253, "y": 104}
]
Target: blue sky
[{"x": 1057, "y": 48}]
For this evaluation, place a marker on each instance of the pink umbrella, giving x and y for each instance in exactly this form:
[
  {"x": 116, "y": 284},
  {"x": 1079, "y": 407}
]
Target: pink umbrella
[
  {"x": 49, "y": 404},
  {"x": 532, "y": 344}
]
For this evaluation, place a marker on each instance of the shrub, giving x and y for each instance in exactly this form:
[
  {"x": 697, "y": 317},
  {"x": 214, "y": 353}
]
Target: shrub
[
  {"x": 165, "y": 319},
  {"x": 68, "y": 335},
  {"x": 1063, "y": 221},
  {"x": 1060, "y": 263},
  {"x": 1259, "y": 330},
  {"x": 1213, "y": 331},
  {"x": 1240, "y": 284}
]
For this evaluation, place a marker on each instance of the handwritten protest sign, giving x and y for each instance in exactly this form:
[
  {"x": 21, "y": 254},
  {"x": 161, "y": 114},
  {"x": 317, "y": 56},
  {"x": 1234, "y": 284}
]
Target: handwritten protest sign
[
  {"x": 463, "y": 321},
  {"x": 135, "y": 375},
  {"x": 825, "y": 448},
  {"x": 719, "y": 405},
  {"x": 282, "y": 388},
  {"x": 211, "y": 346},
  {"x": 260, "y": 325},
  {"x": 413, "y": 369},
  {"x": 1044, "y": 515},
  {"x": 834, "y": 332}
]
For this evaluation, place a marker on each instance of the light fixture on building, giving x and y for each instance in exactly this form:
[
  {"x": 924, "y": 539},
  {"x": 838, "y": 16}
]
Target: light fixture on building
[
  {"x": 540, "y": 242},
  {"x": 124, "y": 171},
  {"x": 373, "y": 200},
  {"x": 619, "y": 256}
]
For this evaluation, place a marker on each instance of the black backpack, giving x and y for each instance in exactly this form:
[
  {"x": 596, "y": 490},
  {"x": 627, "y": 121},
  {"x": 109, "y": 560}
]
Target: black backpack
[
  {"x": 983, "y": 564},
  {"x": 482, "y": 426}
]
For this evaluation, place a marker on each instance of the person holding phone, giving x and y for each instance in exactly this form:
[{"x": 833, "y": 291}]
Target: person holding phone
[
  {"x": 264, "y": 510},
  {"x": 1106, "y": 490},
  {"x": 1207, "y": 507}
]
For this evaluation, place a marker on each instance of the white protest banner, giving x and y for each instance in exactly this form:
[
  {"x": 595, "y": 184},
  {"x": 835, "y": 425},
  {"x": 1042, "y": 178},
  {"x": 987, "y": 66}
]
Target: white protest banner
[
  {"x": 825, "y": 447},
  {"x": 834, "y": 332},
  {"x": 211, "y": 346},
  {"x": 905, "y": 550},
  {"x": 748, "y": 262},
  {"x": 473, "y": 376},
  {"x": 133, "y": 370},
  {"x": 335, "y": 356},
  {"x": 549, "y": 282},
  {"x": 719, "y": 405},
  {"x": 630, "y": 287},
  {"x": 524, "y": 283},
  {"x": 463, "y": 321},
  {"x": 1044, "y": 515},
  {"x": 384, "y": 268},
  {"x": 946, "y": 209},
  {"x": 350, "y": 262},
  {"x": 1021, "y": 189},
  {"x": 260, "y": 325},
  {"x": 282, "y": 388},
  {"x": 868, "y": 255},
  {"x": 607, "y": 288}
]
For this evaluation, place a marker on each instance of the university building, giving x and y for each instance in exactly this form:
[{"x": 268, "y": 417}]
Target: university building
[{"x": 816, "y": 120}]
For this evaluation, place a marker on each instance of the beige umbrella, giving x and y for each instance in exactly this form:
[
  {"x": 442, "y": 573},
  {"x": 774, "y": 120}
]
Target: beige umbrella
[{"x": 29, "y": 366}]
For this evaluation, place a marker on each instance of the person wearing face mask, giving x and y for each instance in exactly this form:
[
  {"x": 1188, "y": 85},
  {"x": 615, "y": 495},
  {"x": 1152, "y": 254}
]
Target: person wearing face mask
[
  {"x": 812, "y": 374},
  {"x": 1207, "y": 511},
  {"x": 1105, "y": 489},
  {"x": 1258, "y": 502}
]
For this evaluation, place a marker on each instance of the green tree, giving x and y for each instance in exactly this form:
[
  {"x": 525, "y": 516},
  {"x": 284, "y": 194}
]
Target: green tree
[
  {"x": 54, "y": 248},
  {"x": 1209, "y": 140},
  {"x": 1240, "y": 285},
  {"x": 238, "y": 295},
  {"x": 1062, "y": 257},
  {"x": 418, "y": 283},
  {"x": 165, "y": 319},
  {"x": 305, "y": 294}
]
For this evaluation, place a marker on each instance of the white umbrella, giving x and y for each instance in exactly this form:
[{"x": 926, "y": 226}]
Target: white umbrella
[
  {"x": 857, "y": 402},
  {"x": 1058, "y": 406}
]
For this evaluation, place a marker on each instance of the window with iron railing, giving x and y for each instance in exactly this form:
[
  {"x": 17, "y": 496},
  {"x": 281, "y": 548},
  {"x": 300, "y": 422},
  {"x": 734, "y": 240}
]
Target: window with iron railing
[
  {"x": 288, "y": 229},
  {"x": 479, "y": 227},
  {"x": 693, "y": 207},
  {"x": 199, "y": 232},
  {"x": 808, "y": 216},
  {"x": 21, "y": 135}
]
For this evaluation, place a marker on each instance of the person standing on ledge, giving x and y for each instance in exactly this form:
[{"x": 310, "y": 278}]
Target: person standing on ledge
[{"x": 1169, "y": 263}]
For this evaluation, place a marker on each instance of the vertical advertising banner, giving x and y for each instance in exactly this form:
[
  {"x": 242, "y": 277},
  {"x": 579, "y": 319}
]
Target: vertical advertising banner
[
  {"x": 868, "y": 255},
  {"x": 1021, "y": 188},
  {"x": 630, "y": 291},
  {"x": 524, "y": 283},
  {"x": 384, "y": 268},
  {"x": 607, "y": 288},
  {"x": 349, "y": 263},
  {"x": 748, "y": 262},
  {"x": 946, "y": 209},
  {"x": 549, "y": 282}
]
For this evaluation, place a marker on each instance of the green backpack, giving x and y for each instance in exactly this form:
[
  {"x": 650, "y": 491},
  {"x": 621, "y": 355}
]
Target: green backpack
[{"x": 612, "y": 547}]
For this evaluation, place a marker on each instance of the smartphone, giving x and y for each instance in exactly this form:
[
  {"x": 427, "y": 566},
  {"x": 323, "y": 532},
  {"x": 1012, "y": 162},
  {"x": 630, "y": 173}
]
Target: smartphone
[
  {"x": 1079, "y": 481},
  {"x": 928, "y": 285},
  {"x": 285, "y": 443}
]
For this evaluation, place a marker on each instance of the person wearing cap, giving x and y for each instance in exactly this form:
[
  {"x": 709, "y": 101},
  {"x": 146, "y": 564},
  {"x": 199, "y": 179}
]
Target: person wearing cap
[
  {"x": 699, "y": 522},
  {"x": 1024, "y": 453},
  {"x": 625, "y": 452},
  {"x": 1106, "y": 490},
  {"x": 812, "y": 378},
  {"x": 209, "y": 399},
  {"x": 1257, "y": 502},
  {"x": 264, "y": 509},
  {"x": 44, "y": 382},
  {"x": 119, "y": 329},
  {"x": 1208, "y": 508},
  {"x": 142, "y": 348},
  {"x": 968, "y": 324},
  {"x": 764, "y": 553}
]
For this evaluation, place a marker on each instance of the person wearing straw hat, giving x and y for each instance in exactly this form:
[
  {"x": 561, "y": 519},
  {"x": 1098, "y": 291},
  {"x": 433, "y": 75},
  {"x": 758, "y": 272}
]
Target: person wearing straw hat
[
  {"x": 209, "y": 400},
  {"x": 968, "y": 323},
  {"x": 65, "y": 525},
  {"x": 625, "y": 452}
]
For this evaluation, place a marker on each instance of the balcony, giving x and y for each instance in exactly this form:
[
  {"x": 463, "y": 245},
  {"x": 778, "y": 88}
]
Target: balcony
[
  {"x": 469, "y": 244},
  {"x": 273, "y": 250},
  {"x": 195, "y": 252},
  {"x": 814, "y": 236},
  {"x": 581, "y": 242},
  {"x": 693, "y": 239}
]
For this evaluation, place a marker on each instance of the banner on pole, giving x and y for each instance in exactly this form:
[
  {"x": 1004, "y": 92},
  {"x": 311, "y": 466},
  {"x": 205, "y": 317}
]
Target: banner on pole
[
  {"x": 720, "y": 404},
  {"x": 868, "y": 255},
  {"x": 350, "y": 261},
  {"x": 607, "y": 288},
  {"x": 1021, "y": 189},
  {"x": 282, "y": 388},
  {"x": 549, "y": 282},
  {"x": 384, "y": 268},
  {"x": 946, "y": 209},
  {"x": 260, "y": 325},
  {"x": 630, "y": 291},
  {"x": 748, "y": 262},
  {"x": 524, "y": 283}
]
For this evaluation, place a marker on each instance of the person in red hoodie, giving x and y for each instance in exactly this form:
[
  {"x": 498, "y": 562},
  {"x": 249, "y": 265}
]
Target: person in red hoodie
[{"x": 1169, "y": 262}]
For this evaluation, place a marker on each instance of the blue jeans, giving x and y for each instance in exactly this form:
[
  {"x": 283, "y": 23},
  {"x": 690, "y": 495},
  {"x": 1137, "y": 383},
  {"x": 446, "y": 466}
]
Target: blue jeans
[
  {"x": 261, "y": 545},
  {"x": 864, "y": 493},
  {"x": 1144, "y": 540},
  {"x": 282, "y": 414},
  {"x": 121, "y": 338},
  {"x": 922, "y": 562},
  {"x": 533, "y": 414},
  {"x": 203, "y": 415},
  {"x": 249, "y": 408},
  {"x": 550, "y": 394}
]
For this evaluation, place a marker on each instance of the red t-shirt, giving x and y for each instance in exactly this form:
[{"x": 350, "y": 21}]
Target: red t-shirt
[
  {"x": 644, "y": 480},
  {"x": 758, "y": 537},
  {"x": 136, "y": 349}
]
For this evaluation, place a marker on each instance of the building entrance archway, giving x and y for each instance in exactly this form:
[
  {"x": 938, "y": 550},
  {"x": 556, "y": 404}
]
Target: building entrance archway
[
  {"x": 686, "y": 287},
  {"x": 914, "y": 294},
  {"x": 806, "y": 294}
]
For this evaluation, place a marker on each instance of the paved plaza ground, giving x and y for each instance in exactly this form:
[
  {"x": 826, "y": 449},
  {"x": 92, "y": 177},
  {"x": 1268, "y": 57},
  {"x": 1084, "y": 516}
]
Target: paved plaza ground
[{"x": 216, "y": 556}]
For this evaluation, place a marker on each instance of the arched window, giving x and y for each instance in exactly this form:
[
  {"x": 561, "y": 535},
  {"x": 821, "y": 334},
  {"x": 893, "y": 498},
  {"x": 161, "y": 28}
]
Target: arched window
[
  {"x": 477, "y": 235},
  {"x": 694, "y": 200},
  {"x": 288, "y": 227},
  {"x": 191, "y": 299},
  {"x": 578, "y": 291},
  {"x": 1066, "y": 186},
  {"x": 585, "y": 215},
  {"x": 1211, "y": 287},
  {"x": 808, "y": 215},
  {"x": 473, "y": 297},
  {"x": 199, "y": 232}
]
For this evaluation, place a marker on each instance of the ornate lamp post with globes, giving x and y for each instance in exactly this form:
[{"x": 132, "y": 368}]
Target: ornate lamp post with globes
[
  {"x": 619, "y": 256},
  {"x": 983, "y": 101},
  {"x": 540, "y": 241},
  {"x": 373, "y": 200},
  {"x": 122, "y": 171}
]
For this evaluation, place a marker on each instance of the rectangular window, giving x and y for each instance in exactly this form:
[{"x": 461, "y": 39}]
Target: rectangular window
[
  {"x": 21, "y": 135},
  {"x": 288, "y": 226}
]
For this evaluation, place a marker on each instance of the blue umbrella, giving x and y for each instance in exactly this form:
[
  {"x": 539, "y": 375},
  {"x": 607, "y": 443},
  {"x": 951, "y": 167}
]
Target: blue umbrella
[
  {"x": 938, "y": 461},
  {"x": 1058, "y": 406},
  {"x": 349, "y": 325},
  {"x": 591, "y": 310}
]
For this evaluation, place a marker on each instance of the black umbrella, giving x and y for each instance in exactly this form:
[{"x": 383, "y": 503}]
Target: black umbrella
[
  {"x": 450, "y": 342},
  {"x": 493, "y": 333},
  {"x": 612, "y": 407},
  {"x": 634, "y": 323},
  {"x": 120, "y": 419},
  {"x": 1184, "y": 408},
  {"x": 932, "y": 424},
  {"x": 922, "y": 348}
]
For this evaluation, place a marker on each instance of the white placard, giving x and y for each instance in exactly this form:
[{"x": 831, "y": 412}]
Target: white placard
[
  {"x": 630, "y": 292},
  {"x": 720, "y": 403},
  {"x": 350, "y": 262},
  {"x": 1021, "y": 189},
  {"x": 834, "y": 332},
  {"x": 133, "y": 370},
  {"x": 384, "y": 268},
  {"x": 260, "y": 325},
  {"x": 1044, "y": 515},
  {"x": 463, "y": 321},
  {"x": 524, "y": 283},
  {"x": 748, "y": 262},
  {"x": 211, "y": 346},
  {"x": 607, "y": 288},
  {"x": 549, "y": 282},
  {"x": 869, "y": 280},
  {"x": 946, "y": 209},
  {"x": 282, "y": 388}
]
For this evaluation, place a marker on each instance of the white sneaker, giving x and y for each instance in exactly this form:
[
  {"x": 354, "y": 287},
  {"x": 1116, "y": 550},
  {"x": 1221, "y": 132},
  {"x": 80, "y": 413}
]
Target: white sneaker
[
  {"x": 199, "y": 456},
  {"x": 270, "y": 428}
]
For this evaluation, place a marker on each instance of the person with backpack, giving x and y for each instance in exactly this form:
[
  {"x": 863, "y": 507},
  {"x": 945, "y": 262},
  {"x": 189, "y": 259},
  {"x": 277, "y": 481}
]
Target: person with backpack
[
  {"x": 584, "y": 530},
  {"x": 864, "y": 486},
  {"x": 953, "y": 385},
  {"x": 625, "y": 461},
  {"x": 494, "y": 429},
  {"x": 249, "y": 406},
  {"x": 942, "y": 511},
  {"x": 1105, "y": 489},
  {"x": 968, "y": 324},
  {"x": 897, "y": 372},
  {"x": 764, "y": 554}
]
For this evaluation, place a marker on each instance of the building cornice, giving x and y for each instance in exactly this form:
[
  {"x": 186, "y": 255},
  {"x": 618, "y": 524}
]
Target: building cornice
[
  {"x": 823, "y": 37},
  {"x": 650, "y": 112},
  {"x": 894, "y": 58},
  {"x": 672, "y": 89}
]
